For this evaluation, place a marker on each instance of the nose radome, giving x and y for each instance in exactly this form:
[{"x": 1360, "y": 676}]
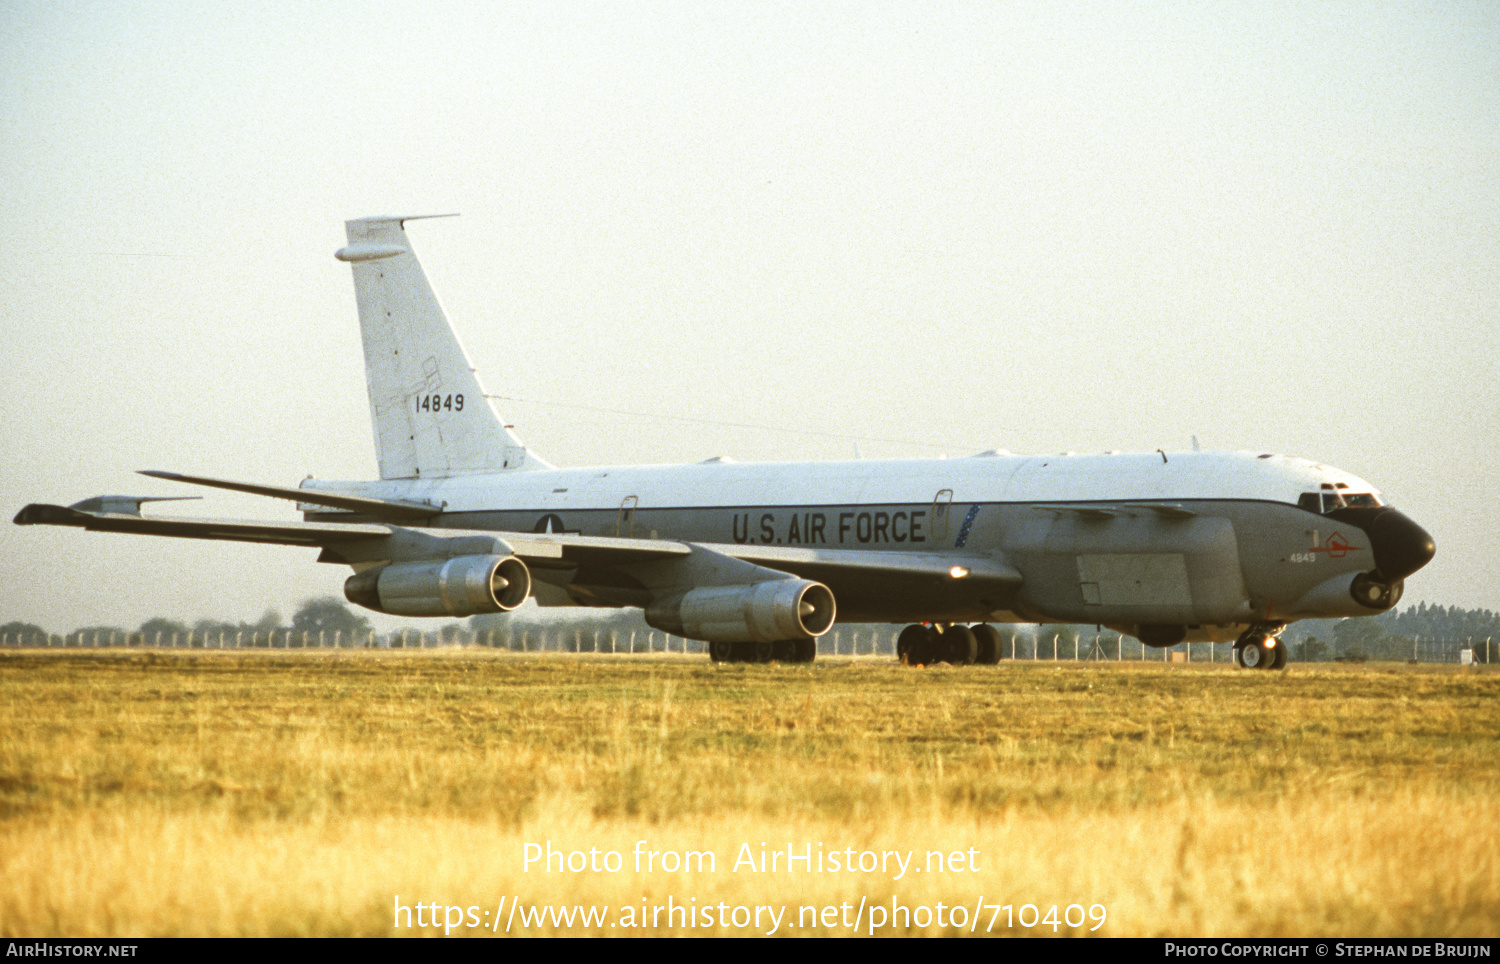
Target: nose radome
[{"x": 1401, "y": 546}]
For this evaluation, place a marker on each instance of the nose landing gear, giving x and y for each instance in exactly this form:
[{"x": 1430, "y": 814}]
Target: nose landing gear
[{"x": 1259, "y": 648}]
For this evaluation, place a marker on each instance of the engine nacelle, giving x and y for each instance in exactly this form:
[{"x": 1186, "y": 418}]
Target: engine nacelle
[
  {"x": 1350, "y": 594},
  {"x": 761, "y": 612},
  {"x": 461, "y": 586}
]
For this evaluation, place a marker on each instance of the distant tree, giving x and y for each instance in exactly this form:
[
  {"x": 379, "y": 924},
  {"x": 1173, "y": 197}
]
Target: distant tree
[
  {"x": 23, "y": 634},
  {"x": 1437, "y": 622},
  {"x": 329, "y": 615},
  {"x": 211, "y": 628},
  {"x": 1304, "y": 628},
  {"x": 1362, "y": 638},
  {"x": 165, "y": 627},
  {"x": 1311, "y": 650},
  {"x": 89, "y": 635}
]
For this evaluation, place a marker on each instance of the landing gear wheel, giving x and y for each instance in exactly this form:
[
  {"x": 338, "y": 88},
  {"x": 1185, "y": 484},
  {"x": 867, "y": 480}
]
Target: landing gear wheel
[
  {"x": 806, "y": 652},
  {"x": 911, "y": 645},
  {"x": 721, "y": 652},
  {"x": 764, "y": 651},
  {"x": 785, "y": 650},
  {"x": 989, "y": 644},
  {"x": 1253, "y": 654},
  {"x": 933, "y": 648},
  {"x": 959, "y": 645},
  {"x": 1258, "y": 647}
]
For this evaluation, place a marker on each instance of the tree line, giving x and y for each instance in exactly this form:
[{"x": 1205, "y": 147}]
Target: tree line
[
  {"x": 327, "y": 615},
  {"x": 1397, "y": 634}
]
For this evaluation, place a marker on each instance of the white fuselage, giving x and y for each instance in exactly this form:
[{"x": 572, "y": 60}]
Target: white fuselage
[
  {"x": 1113, "y": 477},
  {"x": 1204, "y": 539}
]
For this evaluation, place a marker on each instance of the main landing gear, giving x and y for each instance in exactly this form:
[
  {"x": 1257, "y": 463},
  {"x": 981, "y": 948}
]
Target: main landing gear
[
  {"x": 782, "y": 650},
  {"x": 923, "y": 645},
  {"x": 1258, "y": 647}
]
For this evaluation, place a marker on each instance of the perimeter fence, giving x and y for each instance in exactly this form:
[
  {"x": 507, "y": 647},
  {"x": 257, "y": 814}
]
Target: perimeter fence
[
  {"x": 569, "y": 639},
  {"x": 1040, "y": 645}
]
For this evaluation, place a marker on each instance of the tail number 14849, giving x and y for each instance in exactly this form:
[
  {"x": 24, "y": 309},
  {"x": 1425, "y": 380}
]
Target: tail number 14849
[{"x": 440, "y": 403}]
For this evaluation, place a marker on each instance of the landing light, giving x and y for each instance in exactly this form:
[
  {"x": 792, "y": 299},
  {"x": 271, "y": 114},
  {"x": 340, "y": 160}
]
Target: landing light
[{"x": 958, "y": 572}]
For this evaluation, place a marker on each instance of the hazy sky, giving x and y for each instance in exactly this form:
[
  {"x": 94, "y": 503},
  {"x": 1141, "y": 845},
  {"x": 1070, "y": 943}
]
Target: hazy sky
[{"x": 926, "y": 228}]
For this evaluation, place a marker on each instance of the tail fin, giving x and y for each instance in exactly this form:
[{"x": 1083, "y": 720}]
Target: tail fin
[{"x": 432, "y": 419}]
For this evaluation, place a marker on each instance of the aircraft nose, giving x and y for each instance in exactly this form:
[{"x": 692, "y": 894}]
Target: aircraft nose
[{"x": 1401, "y": 546}]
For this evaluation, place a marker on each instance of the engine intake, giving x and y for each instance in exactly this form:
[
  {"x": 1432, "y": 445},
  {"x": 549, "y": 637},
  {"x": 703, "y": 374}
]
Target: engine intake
[
  {"x": 461, "y": 586},
  {"x": 1373, "y": 592},
  {"x": 761, "y": 612}
]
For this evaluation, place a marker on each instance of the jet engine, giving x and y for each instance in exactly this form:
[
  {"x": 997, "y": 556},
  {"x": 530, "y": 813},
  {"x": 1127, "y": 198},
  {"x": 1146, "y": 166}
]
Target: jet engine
[
  {"x": 777, "y": 609},
  {"x": 461, "y": 586},
  {"x": 1373, "y": 592},
  {"x": 1350, "y": 594}
]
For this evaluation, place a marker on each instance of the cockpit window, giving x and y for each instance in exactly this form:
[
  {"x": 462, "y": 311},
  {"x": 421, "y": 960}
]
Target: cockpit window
[{"x": 1330, "y": 497}]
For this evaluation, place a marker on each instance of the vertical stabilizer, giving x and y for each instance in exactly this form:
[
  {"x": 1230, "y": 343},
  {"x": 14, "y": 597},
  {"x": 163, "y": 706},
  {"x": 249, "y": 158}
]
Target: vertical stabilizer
[{"x": 432, "y": 419}]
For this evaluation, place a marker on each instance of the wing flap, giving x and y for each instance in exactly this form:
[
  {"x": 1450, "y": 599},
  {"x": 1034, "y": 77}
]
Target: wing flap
[
  {"x": 387, "y": 508},
  {"x": 1097, "y": 513},
  {"x": 234, "y": 530},
  {"x": 591, "y": 550},
  {"x": 619, "y": 552},
  {"x": 936, "y": 565},
  {"x": 1169, "y": 510},
  {"x": 1101, "y": 513}
]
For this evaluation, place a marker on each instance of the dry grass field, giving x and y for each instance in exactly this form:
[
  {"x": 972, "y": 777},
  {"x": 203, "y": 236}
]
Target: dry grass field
[{"x": 155, "y": 793}]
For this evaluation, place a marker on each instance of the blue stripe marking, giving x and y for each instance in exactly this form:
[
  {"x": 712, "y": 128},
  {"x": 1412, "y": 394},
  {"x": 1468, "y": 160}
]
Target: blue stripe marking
[{"x": 963, "y": 530}]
